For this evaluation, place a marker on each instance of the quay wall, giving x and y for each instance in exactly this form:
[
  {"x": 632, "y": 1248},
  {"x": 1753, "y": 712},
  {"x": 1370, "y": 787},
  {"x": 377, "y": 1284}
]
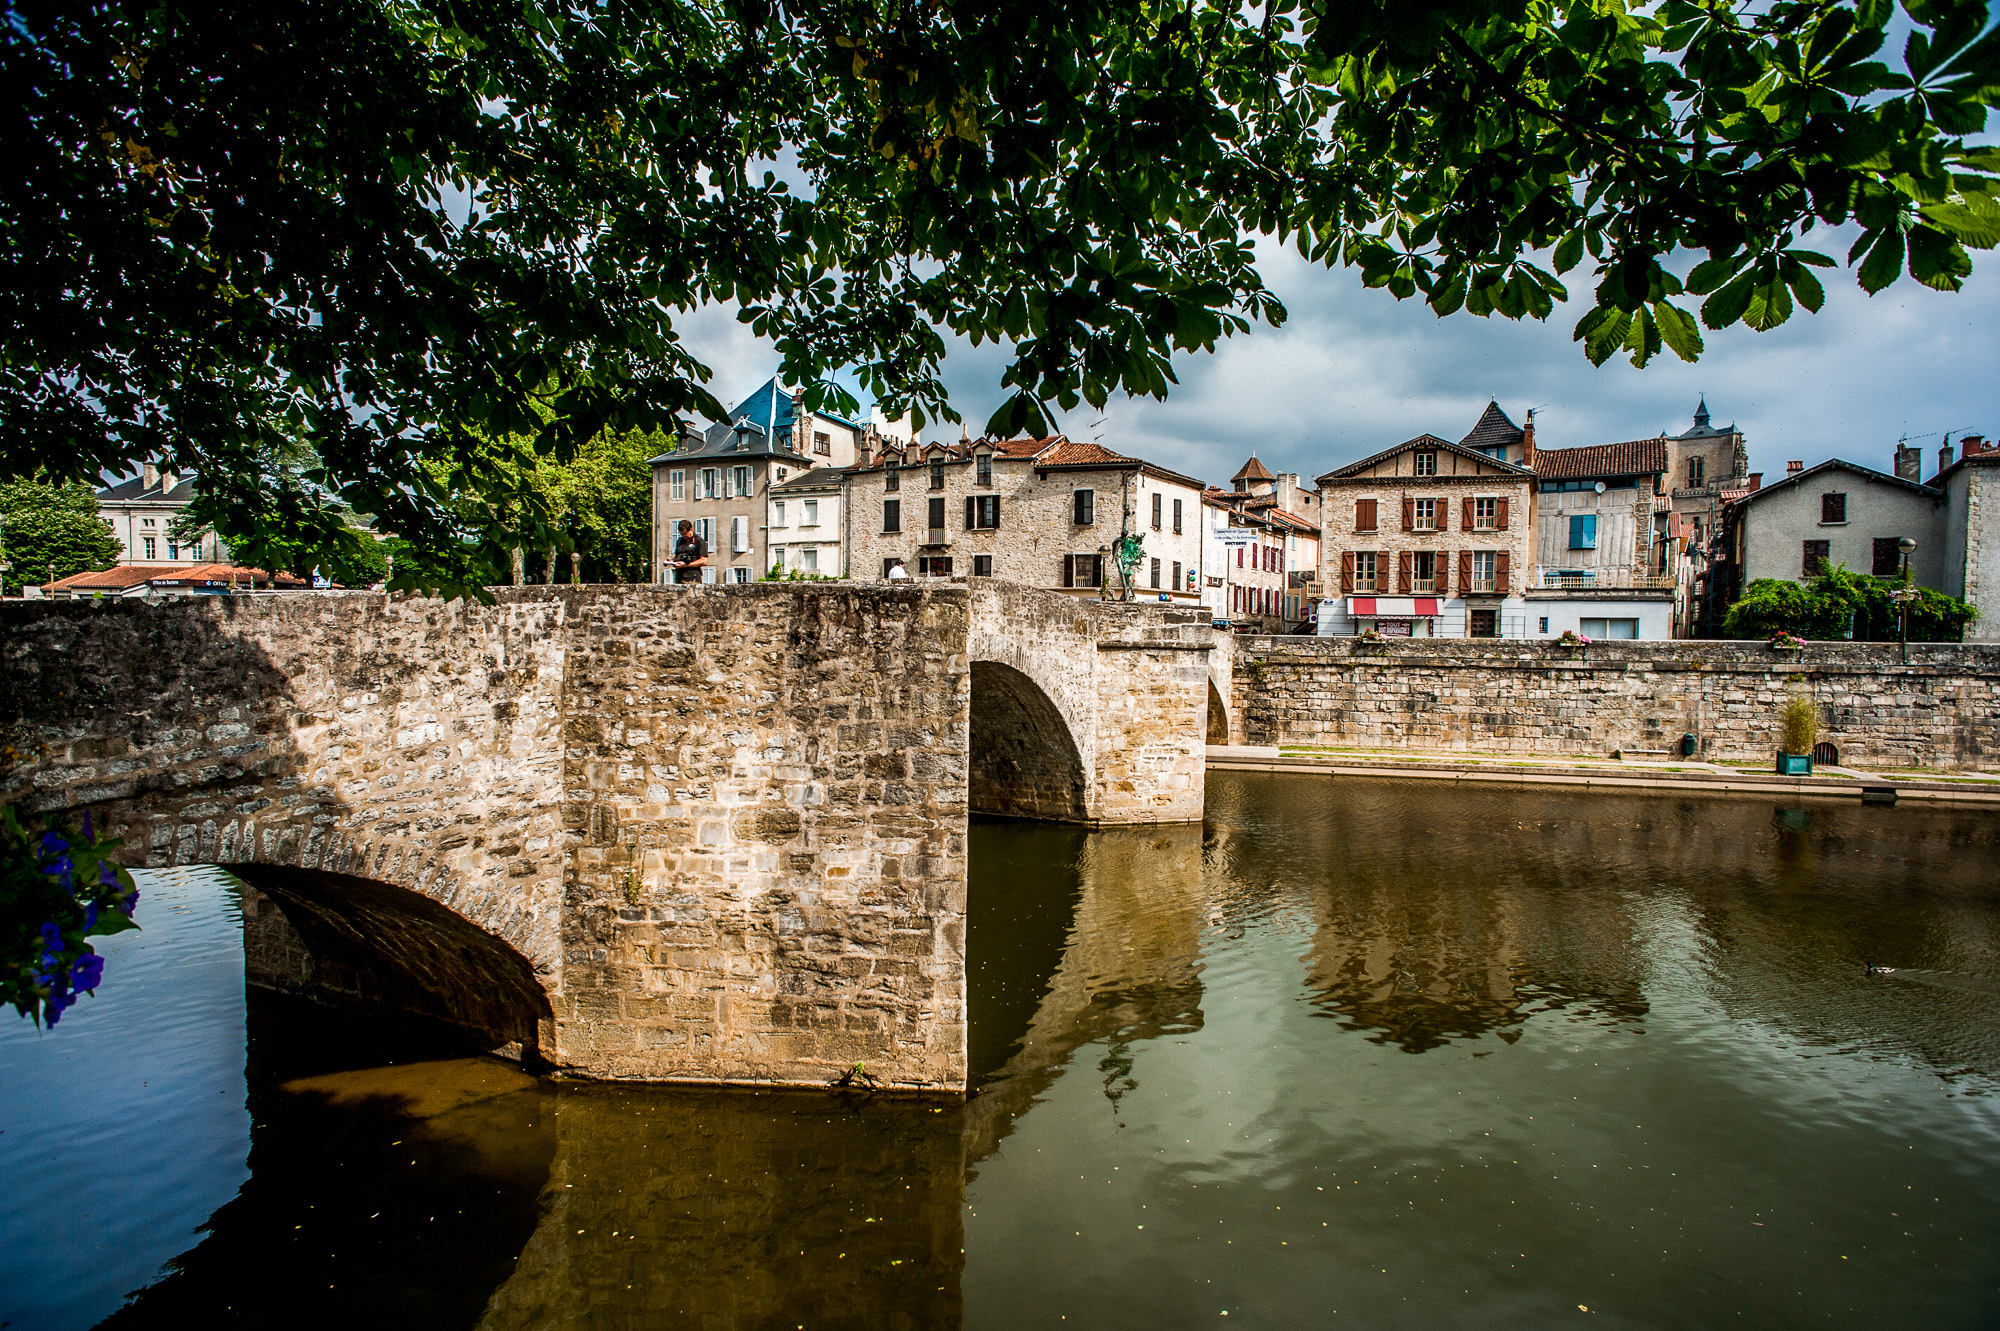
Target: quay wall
[{"x": 1941, "y": 711}]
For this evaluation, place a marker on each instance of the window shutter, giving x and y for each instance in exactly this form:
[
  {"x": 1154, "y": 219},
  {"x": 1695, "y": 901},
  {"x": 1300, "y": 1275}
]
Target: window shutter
[
  {"x": 1409, "y": 514},
  {"x": 1465, "y": 516},
  {"x": 1500, "y": 517},
  {"x": 1403, "y": 573},
  {"x": 1068, "y": 572},
  {"x": 1363, "y": 519},
  {"x": 1500, "y": 569},
  {"x": 1347, "y": 572},
  {"x": 1097, "y": 570},
  {"x": 1464, "y": 569},
  {"x": 994, "y": 503}
]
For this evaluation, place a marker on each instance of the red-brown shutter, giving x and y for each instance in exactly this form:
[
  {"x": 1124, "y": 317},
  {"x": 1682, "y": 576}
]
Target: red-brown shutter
[
  {"x": 1444, "y": 515},
  {"x": 1465, "y": 516},
  {"x": 1464, "y": 569},
  {"x": 971, "y": 513},
  {"x": 1501, "y": 517},
  {"x": 1347, "y": 570},
  {"x": 1409, "y": 514},
  {"x": 1500, "y": 567},
  {"x": 1403, "y": 572},
  {"x": 1364, "y": 515}
]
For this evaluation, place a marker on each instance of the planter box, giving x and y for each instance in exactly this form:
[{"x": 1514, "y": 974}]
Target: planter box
[{"x": 1795, "y": 764}]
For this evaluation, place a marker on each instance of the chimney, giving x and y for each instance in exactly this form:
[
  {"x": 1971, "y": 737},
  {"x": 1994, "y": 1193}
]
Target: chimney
[
  {"x": 1794, "y": 467},
  {"x": 150, "y": 475},
  {"x": 1756, "y": 480},
  {"x": 869, "y": 437},
  {"x": 1973, "y": 444},
  {"x": 1944, "y": 455},
  {"x": 1528, "y": 440},
  {"x": 1909, "y": 462}
]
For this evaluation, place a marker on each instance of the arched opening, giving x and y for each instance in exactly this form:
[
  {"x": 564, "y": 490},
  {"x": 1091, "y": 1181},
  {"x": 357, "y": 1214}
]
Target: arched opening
[
  {"x": 1024, "y": 762},
  {"x": 1825, "y": 754},
  {"x": 1218, "y": 717},
  {"x": 356, "y": 942}
]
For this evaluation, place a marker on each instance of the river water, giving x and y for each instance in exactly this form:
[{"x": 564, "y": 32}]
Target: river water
[{"x": 1370, "y": 1053}]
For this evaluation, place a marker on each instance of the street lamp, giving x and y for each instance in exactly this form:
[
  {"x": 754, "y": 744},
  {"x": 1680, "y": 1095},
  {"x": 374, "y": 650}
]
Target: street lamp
[{"x": 1905, "y": 594}]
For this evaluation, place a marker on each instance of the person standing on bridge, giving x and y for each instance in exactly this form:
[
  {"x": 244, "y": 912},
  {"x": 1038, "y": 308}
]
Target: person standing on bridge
[{"x": 690, "y": 555}]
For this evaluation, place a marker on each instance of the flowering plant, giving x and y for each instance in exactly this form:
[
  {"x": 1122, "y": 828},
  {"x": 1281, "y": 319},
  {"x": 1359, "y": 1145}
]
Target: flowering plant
[
  {"x": 1782, "y": 641},
  {"x": 57, "y": 888},
  {"x": 1371, "y": 636},
  {"x": 1571, "y": 638}
]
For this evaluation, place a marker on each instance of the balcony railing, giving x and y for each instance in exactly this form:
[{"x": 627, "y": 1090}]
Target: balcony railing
[{"x": 1585, "y": 579}]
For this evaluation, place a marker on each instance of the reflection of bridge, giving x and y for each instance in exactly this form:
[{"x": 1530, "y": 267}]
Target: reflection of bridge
[{"x": 711, "y": 835}]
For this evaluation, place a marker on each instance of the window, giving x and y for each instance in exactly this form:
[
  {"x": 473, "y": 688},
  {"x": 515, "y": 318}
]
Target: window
[
  {"x": 1083, "y": 571},
  {"x": 1426, "y": 463},
  {"x": 984, "y": 468},
  {"x": 1832, "y": 508},
  {"x": 1364, "y": 570},
  {"x": 1544, "y": 622},
  {"x": 739, "y": 535},
  {"x": 782, "y": 473},
  {"x": 937, "y": 474},
  {"x": 1084, "y": 510},
  {"x": 982, "y": 512},
  {"x": 1423, "y": 571},
  {"x": 1482, "y": 624},
  {"x": 1815, "y": 554},
  {"x": 934, "y": 510},
  {"x": 1608, "y": 628},
  {"x": 705, "y": 528},
  {"x": 708, "y": 482},
  {"x": 677, "y": 485},
  {"x": 822, "y": 444},
  {"x": 777, "y": 557},
  {"x": 145, "y": 522},
  {"x": 982, "y": 566},
  {"x": 1696, "y": 469},
  {"x": 173, "y": 548},
  {"x": 1888, "y": 557},
  {"x": 1177, "y": 516},
  {"x": 809, "y": 559},
  {"x": 1484, "y": 578},
  {"x": 1583, "y": 532},
  {"x": 151, "y": 549},
  {"x": 1155, "y": 584},
  {"x": 1364, "y": 514},
  {"x": 934, "y": 566},
  {"x": 1485, "y": 514},
  {"x": 739, "y": 575},
  {"x": 892, "y": 480},
  {"x": 1177, "y": 575},
  {"x": 741, "y": 475},
  {"x": 811, "y": 516},
  {"x": 892, "y": 515},
  {"x": 1159, "y": 501},
  {"x": 778, "y": 513},
  {"x": 1426, "y": 515},
  {"x": 889, "y": 565}
]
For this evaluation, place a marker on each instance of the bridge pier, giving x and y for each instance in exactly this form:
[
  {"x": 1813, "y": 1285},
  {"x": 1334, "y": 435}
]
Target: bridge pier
[{"x": 663, "y": 833}]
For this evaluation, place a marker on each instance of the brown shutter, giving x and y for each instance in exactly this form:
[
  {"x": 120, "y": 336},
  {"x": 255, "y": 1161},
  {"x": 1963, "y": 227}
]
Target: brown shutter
[
  {"x": 1097, "y": 570},
  {"x": 971, "y": 514},
  {"x": 1069, "y": 571},
  {"x": 994, "y": 502},
  {"x": 1444, "y": 515},
  {"x": 1364, "y": 515},
  {"x": 1500, "y": 567},
  {"x": 1409, "y": 514},
  {"x": 1464, "y": 569},
  {"x": 1403, "y": 573},
  {"x": 1347, "y": 571},
  {"x": 1465, "y": 516},
  {"x": 1500, "y": 517}
]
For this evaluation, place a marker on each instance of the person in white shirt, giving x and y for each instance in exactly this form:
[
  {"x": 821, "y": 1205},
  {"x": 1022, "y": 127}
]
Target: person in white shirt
[{"x": 897, "y": 571}]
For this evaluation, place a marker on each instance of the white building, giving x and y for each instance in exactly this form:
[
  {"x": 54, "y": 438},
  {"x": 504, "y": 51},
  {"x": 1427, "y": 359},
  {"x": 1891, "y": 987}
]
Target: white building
[
  {"x": 803, "y": 524},
  {"x": 141, "y": 512}
]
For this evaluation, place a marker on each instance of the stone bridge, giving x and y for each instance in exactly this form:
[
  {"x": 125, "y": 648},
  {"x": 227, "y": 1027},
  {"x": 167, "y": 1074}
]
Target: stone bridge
[{"x": 669, "y": 833}]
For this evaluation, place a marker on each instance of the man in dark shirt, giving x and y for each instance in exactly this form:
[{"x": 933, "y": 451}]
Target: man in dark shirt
[{"x": 690, "y": 555}]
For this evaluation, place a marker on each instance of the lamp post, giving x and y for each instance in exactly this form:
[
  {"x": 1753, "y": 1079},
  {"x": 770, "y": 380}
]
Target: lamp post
[{"x": 1905, "y": 594}]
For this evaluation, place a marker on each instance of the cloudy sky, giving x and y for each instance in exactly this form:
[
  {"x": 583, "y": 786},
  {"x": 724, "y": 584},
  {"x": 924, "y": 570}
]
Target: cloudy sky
[{"x": 1354, "y": 371}]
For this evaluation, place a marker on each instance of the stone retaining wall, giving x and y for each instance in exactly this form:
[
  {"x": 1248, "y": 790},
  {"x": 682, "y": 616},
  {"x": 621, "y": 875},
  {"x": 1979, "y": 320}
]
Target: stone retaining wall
[{"x": 1940, "y": 711}]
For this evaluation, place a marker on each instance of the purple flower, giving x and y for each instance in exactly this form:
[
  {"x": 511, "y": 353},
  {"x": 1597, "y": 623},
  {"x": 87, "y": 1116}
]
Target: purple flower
[
  {"x": 87, "y": 836},
  {"x": 88, "y": 971},
  {"x": 106, "y": 875},
  {"x": 90, "y": 917}
]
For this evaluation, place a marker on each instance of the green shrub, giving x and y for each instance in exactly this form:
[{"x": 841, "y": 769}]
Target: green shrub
[
  {"x": 1798, "y": 724},
  {"x": 1825, "y": 608}
]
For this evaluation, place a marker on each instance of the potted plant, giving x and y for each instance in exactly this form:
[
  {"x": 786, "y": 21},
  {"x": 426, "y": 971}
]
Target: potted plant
[
  {"x": 1798, "y": 731},
  {"x": 1782, "y": 641},
  {"x": 1571, "y": 638}
]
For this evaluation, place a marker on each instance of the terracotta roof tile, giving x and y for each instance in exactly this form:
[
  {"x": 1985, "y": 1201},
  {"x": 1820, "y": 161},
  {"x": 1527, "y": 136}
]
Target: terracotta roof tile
[
  {"x": 118, "y": 579},
  {"x": 1081, "y": 453},
  {"x": 1635, "y": 457},
  {"x": 1254, "y": 470}
]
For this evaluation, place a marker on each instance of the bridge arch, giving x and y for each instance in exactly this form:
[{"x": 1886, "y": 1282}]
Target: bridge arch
[
  {"x": 1218, "y": 716},
  {"x": 1023, "y": 760}
]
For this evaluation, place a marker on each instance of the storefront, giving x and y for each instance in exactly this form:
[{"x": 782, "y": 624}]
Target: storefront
[{"x": 1396, "y": 616}]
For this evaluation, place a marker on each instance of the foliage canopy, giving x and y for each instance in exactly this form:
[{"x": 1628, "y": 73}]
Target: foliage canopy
[
  {"x": 1839, "y": 599},
  {"x": 399, "y": 229},
  {"x": 45, "y": 527}
]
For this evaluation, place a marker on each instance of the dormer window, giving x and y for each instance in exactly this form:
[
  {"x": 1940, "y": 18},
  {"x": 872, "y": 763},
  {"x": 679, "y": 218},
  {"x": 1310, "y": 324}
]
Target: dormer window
[
  {"x": 937, "y": 474},
  {"x": 892, "y": 479},
  {"x": 984, "y": 467},
  {"x": 1426, "y": 463}
]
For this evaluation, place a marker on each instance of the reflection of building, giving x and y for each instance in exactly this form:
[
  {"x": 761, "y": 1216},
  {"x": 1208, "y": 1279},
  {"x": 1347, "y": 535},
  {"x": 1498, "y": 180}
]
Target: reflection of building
[{"x": 141, "y": 511}]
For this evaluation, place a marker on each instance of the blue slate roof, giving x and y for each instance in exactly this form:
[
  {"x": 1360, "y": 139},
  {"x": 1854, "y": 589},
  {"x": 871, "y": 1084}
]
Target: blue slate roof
[{"x": 754, "y": 423}]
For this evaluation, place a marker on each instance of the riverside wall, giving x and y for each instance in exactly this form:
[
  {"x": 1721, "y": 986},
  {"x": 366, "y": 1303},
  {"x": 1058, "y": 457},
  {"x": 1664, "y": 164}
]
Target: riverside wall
[{"x": 1941, "y": 711}]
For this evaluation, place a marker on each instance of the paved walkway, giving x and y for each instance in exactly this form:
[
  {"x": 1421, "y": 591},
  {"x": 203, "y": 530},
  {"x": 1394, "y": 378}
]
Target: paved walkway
[{"x": 1648, "y": 773}]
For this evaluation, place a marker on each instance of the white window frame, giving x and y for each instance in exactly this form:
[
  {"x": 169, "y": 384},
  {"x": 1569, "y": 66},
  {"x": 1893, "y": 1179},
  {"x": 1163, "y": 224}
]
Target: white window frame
[
  {"x": 708, "y": 483},
  {"x": 777, "y": 512},
  {"x": 810, "y": 517},
  {"x": 1367, "y": 584},
  {"x": 1490, "y": 579},
  {"x": 1424, "y": 464},
  {"x": 740, "y": 478},
  {"x": 1419, "y": 520},
  {"x": 809, "y": 558},
  {"x": 739, "y": 535},
  {"x": 1485, "y": 513},
  {"x": 677, "y": 484}
]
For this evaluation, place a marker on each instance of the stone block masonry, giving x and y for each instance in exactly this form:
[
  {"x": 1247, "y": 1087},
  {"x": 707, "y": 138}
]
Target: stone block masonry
[{"x": 1941, "y": 711}]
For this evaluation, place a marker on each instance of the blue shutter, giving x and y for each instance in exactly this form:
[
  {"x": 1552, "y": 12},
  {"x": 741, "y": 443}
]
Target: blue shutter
[{"x": 1583, "y": 533}]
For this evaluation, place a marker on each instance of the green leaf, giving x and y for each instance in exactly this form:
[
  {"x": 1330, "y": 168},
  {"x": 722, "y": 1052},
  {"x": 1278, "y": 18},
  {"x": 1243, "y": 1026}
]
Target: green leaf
[
  {"x": 1804, "y": 286},
  {"x": 1726, "y": 306},
  {"x": 1712, "y": 273},
  {"x": 1770, "y": 305},
  {"x": 1678, "y": 330},
  {"x": 1884, "y": 263},
  {"x": 1936, "y": 260},
  {"x": 1569, "y": 251}
]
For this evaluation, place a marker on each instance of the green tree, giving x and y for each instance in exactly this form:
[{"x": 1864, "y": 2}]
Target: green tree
[
  {"x": 397, "y": 231},
  {"x": 52, "y": 525},
  {"x": 1839, "y": 600}
]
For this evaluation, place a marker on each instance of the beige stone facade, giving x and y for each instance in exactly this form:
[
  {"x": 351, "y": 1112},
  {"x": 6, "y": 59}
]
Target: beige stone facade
[
  {"x": 1431, "y": 519},
  {"x": 1040, "y": 512}
]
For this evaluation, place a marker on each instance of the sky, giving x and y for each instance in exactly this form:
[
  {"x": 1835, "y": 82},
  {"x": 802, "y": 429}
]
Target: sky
[{"x": 1354, "y": 371}]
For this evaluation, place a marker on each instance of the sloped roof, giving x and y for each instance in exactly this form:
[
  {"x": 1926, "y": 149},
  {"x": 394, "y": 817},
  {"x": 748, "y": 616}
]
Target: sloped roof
[
  {"x": 1702, "y": 429},
  {"x": 134, "y": 488},
  {"x": 1253, "y": 470},
  {"x": 1493, "y": 429},
  {"x": 1081, "y": 453},
  {"x": 1634, "y": 457},
  {"x": 819, "y": 478},
  {"x": 1426, "y": 442},
  {"x": 121, "y": 578},
  {"x": 1836, "y": 464}
]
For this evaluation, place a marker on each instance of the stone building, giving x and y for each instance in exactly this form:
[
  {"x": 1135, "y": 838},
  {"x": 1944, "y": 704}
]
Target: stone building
[
  {"x": 1043, "y": 512},
  {"x": 1606, "y": 565},
  {"x": 1428, "y": 539},
  {"x": 1260, "y": 550},
  {"x": 141, "y": 511},
  {"x": 720, "y": 479},
  {"x": 1971, "y": 535}
]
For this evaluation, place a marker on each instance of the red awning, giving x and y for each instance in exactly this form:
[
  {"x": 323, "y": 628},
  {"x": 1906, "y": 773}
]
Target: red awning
[{"x": 1413, "y": 607}]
